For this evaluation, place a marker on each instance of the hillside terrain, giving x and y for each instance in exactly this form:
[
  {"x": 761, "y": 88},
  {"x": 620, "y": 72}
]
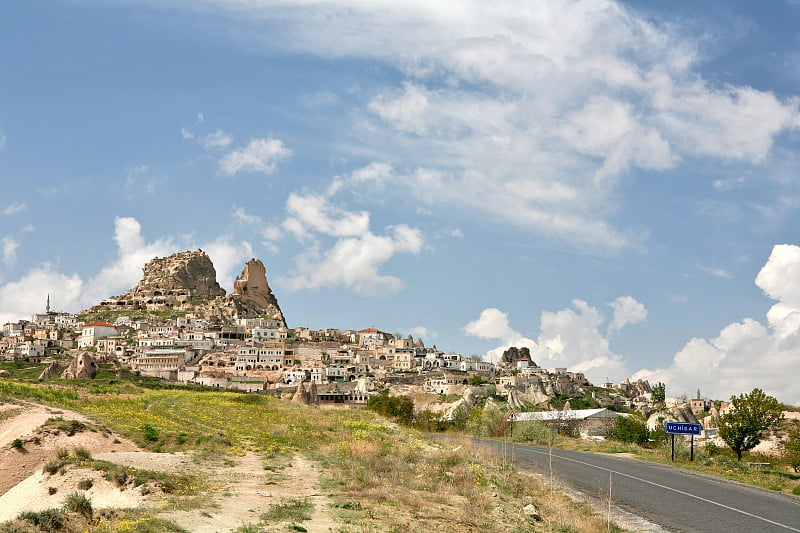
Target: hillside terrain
[{"x": 184, "y": 460}]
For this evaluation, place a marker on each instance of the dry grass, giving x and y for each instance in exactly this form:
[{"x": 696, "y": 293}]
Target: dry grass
[{"x": 400, "y": 482}]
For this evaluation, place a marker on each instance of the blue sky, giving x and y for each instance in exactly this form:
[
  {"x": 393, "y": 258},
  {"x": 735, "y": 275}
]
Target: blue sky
[{"x": 610, "y": 184}]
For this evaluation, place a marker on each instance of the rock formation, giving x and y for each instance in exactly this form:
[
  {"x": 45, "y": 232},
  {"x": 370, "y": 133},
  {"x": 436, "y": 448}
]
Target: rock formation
[
  {"x": 306, "y": 395},
  {"x": 187, "y": 281},
  {"x": 83, "y": 366},
  {"x": 171, "y": 281},
  {"x": 51, "y": 370},
  {"x": 252, "y": 295},
  {"x": 514, "y": 354}
]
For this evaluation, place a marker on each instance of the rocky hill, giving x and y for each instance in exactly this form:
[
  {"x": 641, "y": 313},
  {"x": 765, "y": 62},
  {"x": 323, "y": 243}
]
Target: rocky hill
[{"x": 186, "y": 282}]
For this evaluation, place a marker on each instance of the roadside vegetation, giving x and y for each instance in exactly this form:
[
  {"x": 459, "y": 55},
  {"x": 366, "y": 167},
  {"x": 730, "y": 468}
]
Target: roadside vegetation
[{"x": 378, "y": 474}]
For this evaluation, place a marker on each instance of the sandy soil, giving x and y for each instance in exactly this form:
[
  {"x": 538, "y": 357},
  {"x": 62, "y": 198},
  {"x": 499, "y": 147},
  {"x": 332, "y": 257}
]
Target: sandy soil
[{"x": 243, "y": 489}]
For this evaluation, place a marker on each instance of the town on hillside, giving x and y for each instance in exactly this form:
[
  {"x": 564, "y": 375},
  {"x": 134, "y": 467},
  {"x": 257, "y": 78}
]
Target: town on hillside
[{"x": 179, "y": 325}]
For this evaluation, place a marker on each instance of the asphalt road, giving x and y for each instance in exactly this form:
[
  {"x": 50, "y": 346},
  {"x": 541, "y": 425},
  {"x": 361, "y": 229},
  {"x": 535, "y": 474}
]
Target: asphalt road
[{"x": 674, "y": 498}]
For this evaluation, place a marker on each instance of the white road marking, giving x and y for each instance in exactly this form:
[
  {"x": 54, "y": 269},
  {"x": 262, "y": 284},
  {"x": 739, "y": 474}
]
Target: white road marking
[{"x": 790, "y": 528}]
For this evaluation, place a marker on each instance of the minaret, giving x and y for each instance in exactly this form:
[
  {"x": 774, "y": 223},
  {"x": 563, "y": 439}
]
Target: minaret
[{"x": 47, "y": 307}]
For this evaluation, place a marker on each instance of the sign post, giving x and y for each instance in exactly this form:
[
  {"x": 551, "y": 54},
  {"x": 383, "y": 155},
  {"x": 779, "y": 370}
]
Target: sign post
[
  {"x": 512, "y": 417},
  {"x": 682, "y": 428}
]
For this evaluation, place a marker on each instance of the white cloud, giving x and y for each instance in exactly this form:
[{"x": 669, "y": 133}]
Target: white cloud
[
  {"x": 260, "y": 155},
  {"x": 217, "y": 139},
  {"x": 492, "y": 324},
  {"x": 28, "y": 228},
  {"x": 126, "y": 269},
  {"x": 72, "y": 293},
  {"x": 199, "y": 119},
  {"x": 15, "y": 208},
  {"x": 354, "y": 262},
  {"x": 186, "y": 134},
  {"x": 528, "y": 114},
  {"x": 228, "y": 258},
  {"x": 421, "y": 332},
  {"x": 3, "y": 139},
  {"x": 313, "y": 212},
  {"x": 626, "y": 311},
  {"x": 10, "y": 246},
  {"x": 242, "y": 217},
  {"x": 715, "y": 271},
  {"x": 20, "y": 299},
  {"x": 568, "y": 338},
  {"x": 747, "y": 354}
]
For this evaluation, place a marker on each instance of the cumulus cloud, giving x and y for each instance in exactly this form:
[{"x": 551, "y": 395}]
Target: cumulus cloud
[
  {"x": 747, "y": 354},
  {"x": 341, "y": 250},
  {"x": 15, "y": 208},
  {"x": 529, "y": 115},
  {"x": 72, "y": 293},
  {"x": 423, "y": 333},
  {"x": 568, "y": 338},
  {"x": 10, "y": 246},
  {"x": 354, "y": 262},
  {"x": 22, "y": 298},
  {"x": 626, "y": 311},
  {"x": 133, "y": 251},
  {"x": 260, "y": 155},
  {"x": 228, "y": 257}
]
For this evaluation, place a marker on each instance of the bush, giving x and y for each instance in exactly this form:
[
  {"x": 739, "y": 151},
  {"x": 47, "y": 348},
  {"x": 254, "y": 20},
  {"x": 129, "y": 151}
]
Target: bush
[
  {"x": 85, "y": 484},
  {"x": 77, "y": 502},
  {"x": 533, "y": 431},
  {"x": 630, "y": 429},
  {"x": 47, "y": 520},
  {"x": 149, "y": 433},
  {"x": 400, "y": 408},
  {"x": 17, "y": 443}
]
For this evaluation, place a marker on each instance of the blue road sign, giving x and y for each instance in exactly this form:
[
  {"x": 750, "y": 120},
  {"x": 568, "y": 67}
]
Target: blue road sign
[{"x": 683, "y": 428}]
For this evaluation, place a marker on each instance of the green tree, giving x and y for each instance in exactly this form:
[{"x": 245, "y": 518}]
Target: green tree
[
  {"x": 791, "y": 447},
  {"x": 659, "y": 393},
  {"x": 400, "y": 408},
  {"x": 751, "y": 417},
  {"x": 630, "y": 429}
]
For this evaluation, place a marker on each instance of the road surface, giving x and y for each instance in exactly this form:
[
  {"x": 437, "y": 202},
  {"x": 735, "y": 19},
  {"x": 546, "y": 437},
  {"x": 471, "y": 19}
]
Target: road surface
[{"x": 673, "y": 498}]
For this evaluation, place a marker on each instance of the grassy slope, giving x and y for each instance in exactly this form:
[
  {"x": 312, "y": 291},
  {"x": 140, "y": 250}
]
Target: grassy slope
[{"x": 381, "y": 477}]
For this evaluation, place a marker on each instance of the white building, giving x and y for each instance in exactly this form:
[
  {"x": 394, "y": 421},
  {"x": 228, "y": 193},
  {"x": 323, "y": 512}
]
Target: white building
[{"x": 93, "y": 331}]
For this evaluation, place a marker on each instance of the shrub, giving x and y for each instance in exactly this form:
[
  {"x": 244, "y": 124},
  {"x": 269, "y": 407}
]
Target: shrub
[
  {"x": 77, "y": 502},
  {"x": 82, "y": 453},
  {"x": 17, "y": 443},
  {"x": 397, "y": 407},
  {"x": 149, "y": 433},
  {"x": 85, "y": 484},
  {"x": 630, "y": 429},
  {"x": 48, "y": 520}
]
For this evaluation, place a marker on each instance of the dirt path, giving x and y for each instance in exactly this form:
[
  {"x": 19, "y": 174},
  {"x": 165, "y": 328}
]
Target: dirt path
[{"x": 250, "y": 491}]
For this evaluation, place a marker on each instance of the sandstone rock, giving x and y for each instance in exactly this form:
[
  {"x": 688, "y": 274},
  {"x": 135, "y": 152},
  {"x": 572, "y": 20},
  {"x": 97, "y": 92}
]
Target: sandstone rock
[
  {"x": 532, "y": 512},
  {"x": 83, "y": 366},
  {"x": 51, "y": 370},
  {"x": 252, "y": 294},
  {"x": 4, "y": 374}
]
